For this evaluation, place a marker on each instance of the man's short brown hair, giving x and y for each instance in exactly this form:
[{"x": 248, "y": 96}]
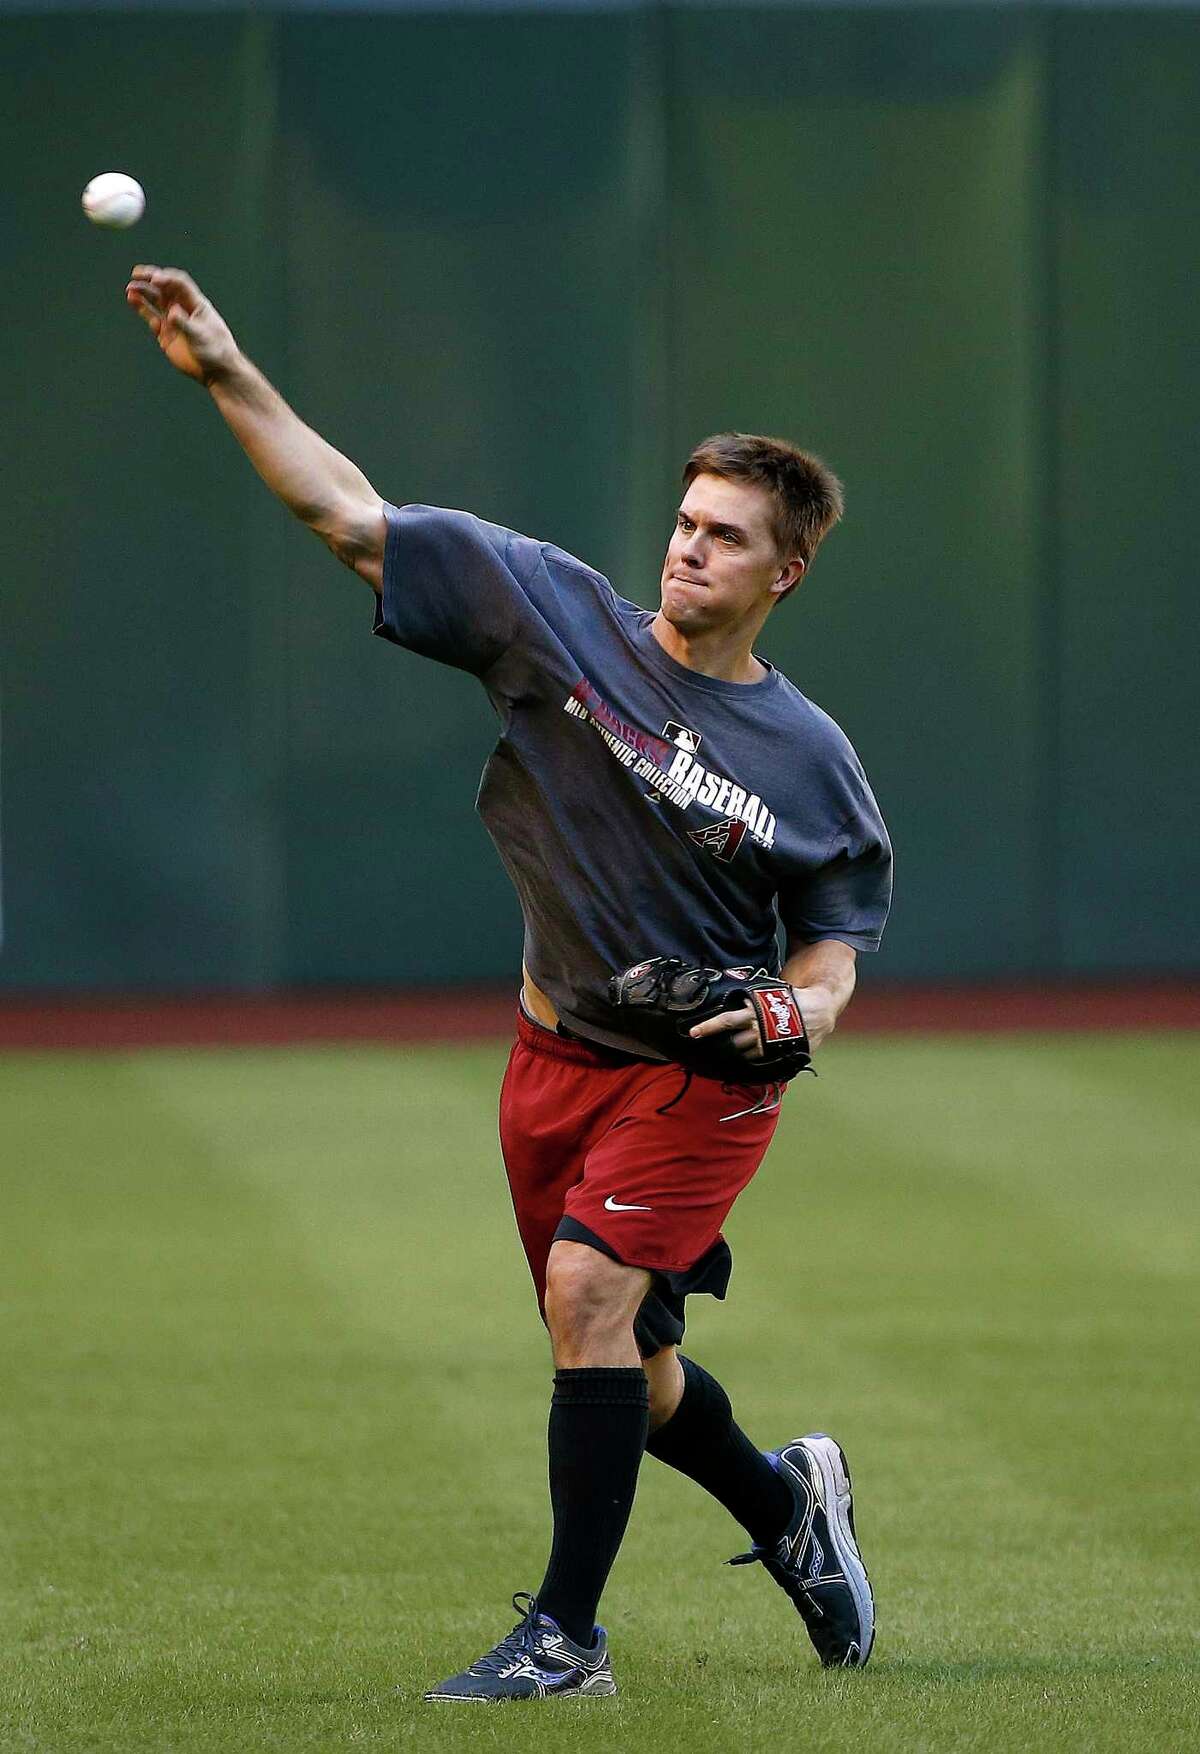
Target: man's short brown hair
[{"x": 808, "y": 495}]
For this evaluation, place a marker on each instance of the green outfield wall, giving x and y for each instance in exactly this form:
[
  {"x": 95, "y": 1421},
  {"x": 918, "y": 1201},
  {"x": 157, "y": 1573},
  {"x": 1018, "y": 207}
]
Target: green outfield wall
[{"x": 520, "y": 263}]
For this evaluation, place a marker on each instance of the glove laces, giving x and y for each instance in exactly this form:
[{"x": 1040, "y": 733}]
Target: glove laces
[{"x": 767, "y": 1103}]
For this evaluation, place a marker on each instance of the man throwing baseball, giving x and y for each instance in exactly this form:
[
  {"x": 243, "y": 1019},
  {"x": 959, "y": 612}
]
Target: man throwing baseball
[{"x": 664, "y": 802}]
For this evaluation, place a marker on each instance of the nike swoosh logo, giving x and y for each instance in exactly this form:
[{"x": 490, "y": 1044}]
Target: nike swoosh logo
[{"x": 611, "y": 1205}]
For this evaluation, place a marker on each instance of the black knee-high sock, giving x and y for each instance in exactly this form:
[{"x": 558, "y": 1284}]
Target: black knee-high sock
[
  {"x": 598, "y": 1422},
  {"x": 701, "y": 1440}
]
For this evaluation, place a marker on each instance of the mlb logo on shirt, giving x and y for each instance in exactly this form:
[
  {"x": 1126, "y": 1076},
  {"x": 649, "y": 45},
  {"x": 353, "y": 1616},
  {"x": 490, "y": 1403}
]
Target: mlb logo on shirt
[{"x": 681, "y": 737}]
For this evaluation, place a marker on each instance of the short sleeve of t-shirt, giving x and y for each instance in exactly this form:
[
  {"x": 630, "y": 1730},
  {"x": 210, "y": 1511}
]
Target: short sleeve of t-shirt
[
  {"x": 455, "y": 587},
  {"x": 849, "y": 894}
]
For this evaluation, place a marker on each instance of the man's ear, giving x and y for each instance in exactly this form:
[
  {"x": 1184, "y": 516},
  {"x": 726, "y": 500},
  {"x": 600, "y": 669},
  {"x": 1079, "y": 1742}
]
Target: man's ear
[{"x": 789, "y": 577}]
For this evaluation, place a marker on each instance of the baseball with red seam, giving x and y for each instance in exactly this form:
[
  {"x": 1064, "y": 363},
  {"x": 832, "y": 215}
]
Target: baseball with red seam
[{"x": 114, "y": 200}]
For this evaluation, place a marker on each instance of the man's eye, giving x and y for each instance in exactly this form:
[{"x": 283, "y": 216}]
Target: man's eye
[{"x": 728, "y": 536}]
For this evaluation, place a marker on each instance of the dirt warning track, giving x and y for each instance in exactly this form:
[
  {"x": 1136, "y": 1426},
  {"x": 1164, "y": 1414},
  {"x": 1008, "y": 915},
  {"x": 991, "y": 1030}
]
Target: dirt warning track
[{"x": 122, "y": 1021}]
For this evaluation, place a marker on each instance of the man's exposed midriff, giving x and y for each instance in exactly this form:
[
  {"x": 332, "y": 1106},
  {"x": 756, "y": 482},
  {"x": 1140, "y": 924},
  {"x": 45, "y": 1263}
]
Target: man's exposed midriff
[{"x": 536, "y": 1002}]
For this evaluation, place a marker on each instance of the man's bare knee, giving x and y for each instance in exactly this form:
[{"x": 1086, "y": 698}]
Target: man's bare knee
[{"x": 591, "y": 1301}]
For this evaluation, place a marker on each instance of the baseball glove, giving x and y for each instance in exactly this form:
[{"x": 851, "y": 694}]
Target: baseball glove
[{"x": 662, "y": 999}]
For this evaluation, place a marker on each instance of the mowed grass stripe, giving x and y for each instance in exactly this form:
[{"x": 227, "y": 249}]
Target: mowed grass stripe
[{"x": 274, "y": 1400}]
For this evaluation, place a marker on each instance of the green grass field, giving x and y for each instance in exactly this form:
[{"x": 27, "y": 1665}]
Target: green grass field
[{"x": 274, "y": 1399}]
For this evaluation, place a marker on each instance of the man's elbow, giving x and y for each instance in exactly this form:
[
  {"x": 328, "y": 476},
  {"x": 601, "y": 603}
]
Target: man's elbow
[{"x": 356, "y": 533}]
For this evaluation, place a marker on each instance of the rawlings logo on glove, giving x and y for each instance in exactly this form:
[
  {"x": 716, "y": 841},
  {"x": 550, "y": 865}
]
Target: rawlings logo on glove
[
  {"x": 779, "y": 1016},
  {"x": 662, "y": 998}
]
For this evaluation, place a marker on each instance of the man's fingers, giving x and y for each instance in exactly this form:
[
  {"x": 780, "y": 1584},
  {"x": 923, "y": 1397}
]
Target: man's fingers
[
  {"x": 744, "y": 1022},
  {"x": 141, "y": 294},
  {"x": 726, "y": 1020},
  {"x": 173, "y": 286},
  {"x": 142, "y": 300},
  {"x": 168, "y": 285},
  {"x": 151, "y": 300}
]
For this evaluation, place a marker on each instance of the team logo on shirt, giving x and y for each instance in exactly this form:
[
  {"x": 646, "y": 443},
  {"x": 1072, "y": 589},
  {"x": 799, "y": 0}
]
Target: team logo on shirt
[
  {"x": 671, "y": 771},
  {"x": 721, "y": 839}
]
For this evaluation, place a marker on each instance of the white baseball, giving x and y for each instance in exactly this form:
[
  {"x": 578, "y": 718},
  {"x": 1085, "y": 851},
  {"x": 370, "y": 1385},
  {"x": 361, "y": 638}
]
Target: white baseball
[{"x": 115, "y": 200}]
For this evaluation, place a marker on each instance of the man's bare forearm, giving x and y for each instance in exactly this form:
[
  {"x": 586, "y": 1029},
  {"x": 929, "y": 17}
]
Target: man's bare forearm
[
  {"x": 823, "y": 975},
  {"x": 311, "y": 478}
]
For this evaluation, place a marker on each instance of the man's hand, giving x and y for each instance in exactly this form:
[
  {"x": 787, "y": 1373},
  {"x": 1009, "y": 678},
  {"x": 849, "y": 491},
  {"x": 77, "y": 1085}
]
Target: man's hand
[
  {"x": 816, "y": 1007},
  {"x": 819, "y": 1011},
  {"x": 822, "y": 978},
  {"x": 681, "y": 1010},
  {"x": 191, "y": 332}
]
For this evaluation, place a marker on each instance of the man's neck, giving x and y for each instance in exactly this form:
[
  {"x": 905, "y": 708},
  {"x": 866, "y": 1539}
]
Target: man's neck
[{"x": 724, "y": 654}]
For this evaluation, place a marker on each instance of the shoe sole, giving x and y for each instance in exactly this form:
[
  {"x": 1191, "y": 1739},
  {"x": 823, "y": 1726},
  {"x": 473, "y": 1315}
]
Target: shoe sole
[
  {"x": 839, "y": 1515},
  {"x": 602, "y": 1688}
]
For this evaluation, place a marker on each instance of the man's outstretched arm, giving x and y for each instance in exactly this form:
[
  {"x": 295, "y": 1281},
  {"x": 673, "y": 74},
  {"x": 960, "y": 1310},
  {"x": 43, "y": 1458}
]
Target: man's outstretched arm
[{"x": 325, "y": 490}]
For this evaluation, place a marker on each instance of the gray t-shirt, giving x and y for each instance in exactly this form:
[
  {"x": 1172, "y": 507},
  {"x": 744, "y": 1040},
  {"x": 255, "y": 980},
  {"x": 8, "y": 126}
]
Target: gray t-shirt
[{"x": 640, "y": 808}]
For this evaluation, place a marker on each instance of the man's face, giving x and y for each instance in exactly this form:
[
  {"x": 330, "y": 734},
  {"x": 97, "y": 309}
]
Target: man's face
[{"x": 723, "y": 565}]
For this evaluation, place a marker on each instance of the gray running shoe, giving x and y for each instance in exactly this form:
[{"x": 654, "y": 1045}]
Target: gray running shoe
[
  {"x": 535, "y": 1661},
  {"x": 816, "y": 1560}
]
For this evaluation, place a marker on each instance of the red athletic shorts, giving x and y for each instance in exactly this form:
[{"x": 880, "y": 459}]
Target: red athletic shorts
[{"x": 642, "y": 1158}]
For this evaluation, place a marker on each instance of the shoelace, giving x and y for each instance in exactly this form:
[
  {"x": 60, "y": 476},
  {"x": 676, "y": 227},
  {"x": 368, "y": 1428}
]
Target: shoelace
[
  {"x": 760, "y": 1555},
  {"x": 519, "y": 1642}
]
